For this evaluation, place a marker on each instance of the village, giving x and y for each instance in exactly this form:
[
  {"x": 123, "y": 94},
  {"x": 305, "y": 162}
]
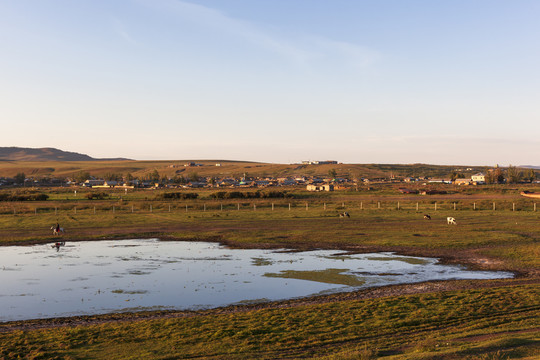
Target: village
[{"x": 317, "y": 183}]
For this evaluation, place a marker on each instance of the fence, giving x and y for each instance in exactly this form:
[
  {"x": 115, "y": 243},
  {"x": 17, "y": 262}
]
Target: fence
[{"x": 57, "y": 208}]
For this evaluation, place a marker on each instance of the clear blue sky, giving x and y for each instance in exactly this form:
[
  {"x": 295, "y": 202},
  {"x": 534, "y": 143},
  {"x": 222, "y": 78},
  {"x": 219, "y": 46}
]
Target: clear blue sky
[{"x": 379, "y": 81}]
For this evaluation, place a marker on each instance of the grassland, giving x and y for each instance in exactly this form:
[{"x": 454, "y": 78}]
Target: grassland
[
  {"x": 496, "y": 319},
  {"x": 170, "y": 168}
]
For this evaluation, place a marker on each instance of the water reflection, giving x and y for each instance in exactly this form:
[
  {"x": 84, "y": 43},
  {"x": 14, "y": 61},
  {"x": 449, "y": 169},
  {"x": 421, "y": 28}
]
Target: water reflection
[{"x": 129, "y": 275}]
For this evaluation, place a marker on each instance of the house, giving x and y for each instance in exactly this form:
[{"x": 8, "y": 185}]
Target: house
[
  {"x": 478, "y": 178},
  {"x": 407, "y": 191},
  {"x": 321, "y": 187},
  {"x": 318, "y": 162},
  {"x": 463, "y": 182},
  {"x": 92, "y": 183},
  {"x": 262, "y": 183}
]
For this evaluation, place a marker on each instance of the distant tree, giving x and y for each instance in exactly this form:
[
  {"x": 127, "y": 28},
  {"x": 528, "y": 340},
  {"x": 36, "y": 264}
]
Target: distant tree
[
  {"x": 513, "y": 174},
  {"x": 20, "y": 177},
  {"x": 112, "y": 177},
  {"x": 128, "y": 177},
  {"x": 81, "y": 176},
  {"x": 531, "y": 175},
  {"x": 490, "y": 177},
  {"x": 332, "y": 173},
  {"x": 193, "y": 177},
  {"x": 154, "y": 176},
  {"x": 179, "y": 179},
  {"x": 498, "y": 175}
]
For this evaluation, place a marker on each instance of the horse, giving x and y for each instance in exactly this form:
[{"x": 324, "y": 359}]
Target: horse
[
  {"x": 344, "y": 215},
  {"x": 427, "y": 217},
  {"x": 57, "y": 232},
  {"x": 451, "y": 220}
]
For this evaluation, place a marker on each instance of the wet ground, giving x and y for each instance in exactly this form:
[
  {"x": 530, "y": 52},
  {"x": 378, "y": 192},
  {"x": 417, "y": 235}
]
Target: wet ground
[{"x": 97, "y": 277}]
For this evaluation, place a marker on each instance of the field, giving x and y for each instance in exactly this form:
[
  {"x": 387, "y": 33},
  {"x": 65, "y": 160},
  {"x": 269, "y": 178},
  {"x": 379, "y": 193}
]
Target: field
[
  {"x": 227, "y": 168},
  {"x": 496, "y": 319}
]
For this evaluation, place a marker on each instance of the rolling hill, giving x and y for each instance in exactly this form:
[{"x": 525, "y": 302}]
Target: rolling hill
[{"x": 43, "y": 154}]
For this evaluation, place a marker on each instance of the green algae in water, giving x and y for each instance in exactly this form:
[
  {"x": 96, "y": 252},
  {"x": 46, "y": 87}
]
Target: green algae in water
[
  {"x": 327, "y": 276},
  {"x": 132, "y": 292},
  {"x": 408, "y": 260},
  {"x": 260, "y": 261}
]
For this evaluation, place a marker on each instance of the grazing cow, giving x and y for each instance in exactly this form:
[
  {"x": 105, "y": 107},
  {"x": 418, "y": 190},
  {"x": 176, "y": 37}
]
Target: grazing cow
[
  {"x": 427, "y": 217},
  {"x": 451, "y": 220},
  {"x": 344, "y": 215}
]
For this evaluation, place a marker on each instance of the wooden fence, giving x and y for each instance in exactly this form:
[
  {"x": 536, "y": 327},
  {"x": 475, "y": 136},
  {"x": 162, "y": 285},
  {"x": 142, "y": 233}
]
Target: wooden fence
[{"x": 74, "y": 208}]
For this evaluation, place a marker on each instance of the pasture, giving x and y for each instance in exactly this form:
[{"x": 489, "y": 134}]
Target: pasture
[{"x": 453, "y": 320}]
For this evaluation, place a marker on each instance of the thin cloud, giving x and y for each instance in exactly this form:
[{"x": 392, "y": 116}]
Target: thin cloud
[
  {"x": 298, "y": 49},
  {"x": 120, "y": 29}
]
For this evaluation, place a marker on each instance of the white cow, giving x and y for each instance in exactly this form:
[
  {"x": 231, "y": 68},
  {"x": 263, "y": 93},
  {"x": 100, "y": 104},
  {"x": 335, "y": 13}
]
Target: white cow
[{"x": 451, "y": 220}]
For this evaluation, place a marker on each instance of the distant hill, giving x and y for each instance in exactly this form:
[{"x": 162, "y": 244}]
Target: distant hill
[{"x": 44, "y": 154}]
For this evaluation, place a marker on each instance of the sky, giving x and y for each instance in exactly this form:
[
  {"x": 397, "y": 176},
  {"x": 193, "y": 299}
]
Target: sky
[{"x": 365, "y": 81}]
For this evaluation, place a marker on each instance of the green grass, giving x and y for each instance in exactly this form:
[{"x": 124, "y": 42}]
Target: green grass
[
  {"x": 488, "y": 323},
  {"x": 451, "y": 325}
]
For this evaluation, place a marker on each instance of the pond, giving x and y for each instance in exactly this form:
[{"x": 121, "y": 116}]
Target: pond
[{"x": 96, "y": 277}]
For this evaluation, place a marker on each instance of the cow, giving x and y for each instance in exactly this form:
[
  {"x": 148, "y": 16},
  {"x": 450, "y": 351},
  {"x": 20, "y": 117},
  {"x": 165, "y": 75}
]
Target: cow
[
  {"x": 427, "y": 217},
  {"x": 451, "y": 220}
]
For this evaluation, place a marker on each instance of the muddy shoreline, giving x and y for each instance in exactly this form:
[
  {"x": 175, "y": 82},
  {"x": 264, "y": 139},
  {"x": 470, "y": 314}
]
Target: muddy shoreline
[{"x": 470, "y": 258}]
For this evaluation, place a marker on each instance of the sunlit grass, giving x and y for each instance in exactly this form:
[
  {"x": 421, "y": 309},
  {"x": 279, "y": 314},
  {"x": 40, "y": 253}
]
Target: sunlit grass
[
  {"x": 453, "y": 324},
  {"x": 496, "y": 323}
]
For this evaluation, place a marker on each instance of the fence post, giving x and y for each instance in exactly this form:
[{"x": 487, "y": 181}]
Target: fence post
[
  {"x": 55, "y": 210},
  {"x": 343, "y": 205},
  {"x": 513, "y": 206},
  {"x": 254, "y": 207},
  {"x": 361, "y": 205},
  {"x": 398, "y": 205},
  {"x": 416, "y": 206},
  {"x": 150, "y": 207},
  {"x": 238, "y": 206},
  {"x": 454, "y": 206},
  {"x": 221, "y": 205},
  {"x": 494, "y": 206},
  {"x": 289, "y": 206},
  {"x": 272, "y": 206},
  {"x": 186, "y": 207},
  {"x": 435, "y": 206},
  {"x": 378, "y": 204},
  {"x": 474, "y": 206},
  {"x": 324, "y": 206},
  {"x": 307, "y": 206}
]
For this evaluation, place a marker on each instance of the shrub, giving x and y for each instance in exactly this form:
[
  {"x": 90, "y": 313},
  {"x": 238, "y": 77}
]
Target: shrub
[
  {"x": 177, "y": 195},
  {"x": 97, "y": 196},
  {"x": 23, "y": 197}
]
